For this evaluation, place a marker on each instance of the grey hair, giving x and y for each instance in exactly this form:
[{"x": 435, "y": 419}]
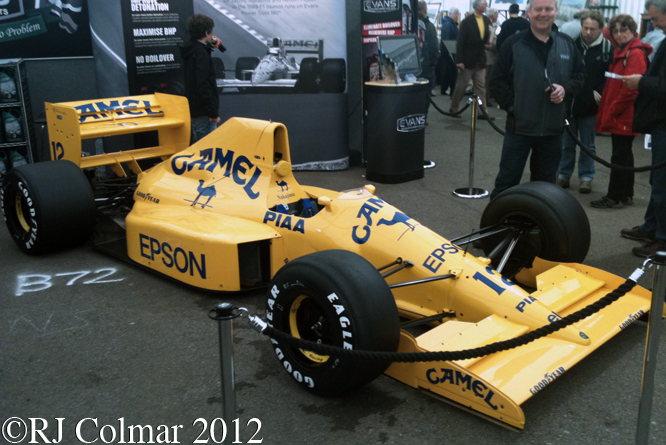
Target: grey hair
[
  {"x": 557, "y": 3},
  {"x": 491, "y": 12},
  {"x": 453, "y": 10},
  {"x": 477, "y": 3},
  {"x": 659, "y": 4}
]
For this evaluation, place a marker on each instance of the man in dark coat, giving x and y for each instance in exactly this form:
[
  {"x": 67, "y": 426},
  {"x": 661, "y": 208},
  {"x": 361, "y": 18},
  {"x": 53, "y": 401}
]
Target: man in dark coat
[
  {"x": 428, "y": 44},
  {"x": 450, "y": 25},
  {"x": 650, "y": 117},
  {"x": 428, "y": 47},
  {"x": 597, "y": 54},
  {"x": 200, "y": 83},
  {"x": 514, "y": 24},
  {"x": 473, "y": 39},
  {"x": 448, "y": 72},
  {"x": 535, "y": 72}
]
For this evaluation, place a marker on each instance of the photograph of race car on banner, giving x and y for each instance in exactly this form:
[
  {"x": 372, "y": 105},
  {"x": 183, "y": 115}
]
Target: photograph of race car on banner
[{"x": 279, "y": 45}]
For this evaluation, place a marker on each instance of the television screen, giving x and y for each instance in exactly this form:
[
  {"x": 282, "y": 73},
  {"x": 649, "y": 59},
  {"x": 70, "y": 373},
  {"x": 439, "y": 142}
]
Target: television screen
[{"x": 403, "y": 51}]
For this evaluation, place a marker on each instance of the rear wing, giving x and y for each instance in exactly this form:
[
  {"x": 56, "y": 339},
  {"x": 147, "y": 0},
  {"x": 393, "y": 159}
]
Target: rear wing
[{"x": 71, "y": 122}]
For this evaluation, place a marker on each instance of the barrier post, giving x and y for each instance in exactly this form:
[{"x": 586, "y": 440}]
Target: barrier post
[
  {"x": 471, "y": 191},
  {"x": 651, "y": 348},
  {"x": 224, "y": 313}
]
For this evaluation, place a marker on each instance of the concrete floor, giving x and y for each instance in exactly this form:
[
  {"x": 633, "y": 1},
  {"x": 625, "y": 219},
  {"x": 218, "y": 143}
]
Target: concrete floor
[{"x": 87, "y": 336}]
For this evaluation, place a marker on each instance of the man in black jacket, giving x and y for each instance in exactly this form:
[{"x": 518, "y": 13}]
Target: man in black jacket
[
  {"x": 447, "y": 65},
  {"x": 513, "y": 25},
  {"x": 428, "y": 46},
  {"x": 650, "y": 117},
  {"x": 473, "y": 39},
  {"x": 536, "y": 70},
  {"x": 597, "y": 54},
  {"x": 200, "y": 84}
]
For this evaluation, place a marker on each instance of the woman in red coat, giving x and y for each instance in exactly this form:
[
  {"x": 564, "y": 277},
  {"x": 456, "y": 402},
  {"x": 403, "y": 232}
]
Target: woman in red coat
[{"x": 616, "y": 109}]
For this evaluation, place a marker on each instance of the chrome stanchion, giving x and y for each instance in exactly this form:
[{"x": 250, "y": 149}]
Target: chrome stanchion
[
  {"x": 224, "y": 313},
  {"x": 471, "y": 191},
  {"x": 651, "y": 347}
]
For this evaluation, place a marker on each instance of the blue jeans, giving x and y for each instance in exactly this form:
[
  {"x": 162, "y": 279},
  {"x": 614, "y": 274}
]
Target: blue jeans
[
  {"x": 655, "y": 215},
  {"x": 546, "y": 154},
  {"x": 201, "y": 126},
  {"x": 584, "y": 128}
]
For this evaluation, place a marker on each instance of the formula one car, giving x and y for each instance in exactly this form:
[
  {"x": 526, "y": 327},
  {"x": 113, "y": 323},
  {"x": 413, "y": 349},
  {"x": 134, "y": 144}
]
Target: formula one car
[{"x": 227, "y": 213}]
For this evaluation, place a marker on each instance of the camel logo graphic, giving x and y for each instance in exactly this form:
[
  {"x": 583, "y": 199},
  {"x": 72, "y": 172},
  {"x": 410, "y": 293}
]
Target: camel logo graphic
[
  {"x": 399, "y": 217},
  {"x": 208, "y": 192},
  {"x": 283, "y": 185}
]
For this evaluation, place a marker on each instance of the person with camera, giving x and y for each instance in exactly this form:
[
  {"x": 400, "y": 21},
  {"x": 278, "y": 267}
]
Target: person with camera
[{"x": 200, "y": 83}]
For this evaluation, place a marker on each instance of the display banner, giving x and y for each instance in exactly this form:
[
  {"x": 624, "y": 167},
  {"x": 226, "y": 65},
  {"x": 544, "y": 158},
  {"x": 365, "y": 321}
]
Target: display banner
[
  {"x": 383, "y": 18},
  {"x": 153, "y": 31},
  {"x": 248, "y": 27},
  {"x": 44, "y": 28}
]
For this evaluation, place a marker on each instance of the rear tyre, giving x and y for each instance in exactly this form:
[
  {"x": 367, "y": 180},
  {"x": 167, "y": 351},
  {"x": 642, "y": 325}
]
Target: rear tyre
[
  {"x": 556, "y": 225},
  {"x": 337, "y": 298},
  {"x": 333, "y": 76},
  {"x": 244, "y": 64},
  {"x": 308, "y": 75},
  {"x": 48, "y": 206}
]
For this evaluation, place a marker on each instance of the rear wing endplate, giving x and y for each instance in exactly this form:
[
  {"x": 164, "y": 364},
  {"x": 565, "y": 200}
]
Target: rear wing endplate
[{"x": 71, "y": 122}]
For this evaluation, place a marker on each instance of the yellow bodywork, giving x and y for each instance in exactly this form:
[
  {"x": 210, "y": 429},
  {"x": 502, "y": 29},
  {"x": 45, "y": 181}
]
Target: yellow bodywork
[
  {"x": 69, "y": 123},
  {"x": 198, "y": 214}
]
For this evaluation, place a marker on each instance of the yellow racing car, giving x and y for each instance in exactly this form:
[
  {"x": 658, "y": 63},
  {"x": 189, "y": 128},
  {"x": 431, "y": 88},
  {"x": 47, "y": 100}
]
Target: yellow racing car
[{"x": 342, "y": 268}]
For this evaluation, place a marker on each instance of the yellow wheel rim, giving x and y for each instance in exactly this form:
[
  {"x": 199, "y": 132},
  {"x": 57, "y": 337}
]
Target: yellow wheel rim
[
  {"x": 19, "y": 212},
  {"x": 293, "y": 325}
]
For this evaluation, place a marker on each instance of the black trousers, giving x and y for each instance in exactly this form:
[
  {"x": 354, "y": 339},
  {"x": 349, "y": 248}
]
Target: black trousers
[{"x": 621, "y": 185}]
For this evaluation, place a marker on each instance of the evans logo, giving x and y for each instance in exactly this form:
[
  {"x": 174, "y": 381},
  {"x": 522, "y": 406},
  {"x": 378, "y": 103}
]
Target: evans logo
[
  {"x": 376, "y": 6},
  {"x": 414, "y": 122}
]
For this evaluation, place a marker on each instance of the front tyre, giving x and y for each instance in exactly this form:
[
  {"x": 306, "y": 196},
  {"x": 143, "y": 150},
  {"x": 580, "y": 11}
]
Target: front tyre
[
  {"x": 553, "y": 224},
  {"x": 337, "y": 298},
  {"x": 47, "y": 206}
]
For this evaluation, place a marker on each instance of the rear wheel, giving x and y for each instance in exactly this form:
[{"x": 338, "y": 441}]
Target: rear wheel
[
  {"x": 333, "y": 76},
  {"x": 48, "y": 206},
  {"x": 308, "y": 75},
  {"x": 538, "y": 219},
  {"x": 245, "y": 64},
  {"x": 334, "y": 297}
]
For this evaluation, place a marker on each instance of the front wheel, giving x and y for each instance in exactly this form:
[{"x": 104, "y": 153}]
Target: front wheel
[
  {"x": 48, "y": 206},
  {"x": 337, "y": 298},
  {"x": 540, "y": 219}
]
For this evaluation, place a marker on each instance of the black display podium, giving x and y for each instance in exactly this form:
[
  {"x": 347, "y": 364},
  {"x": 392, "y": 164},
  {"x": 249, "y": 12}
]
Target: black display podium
[{"x": 394, "y": 133}]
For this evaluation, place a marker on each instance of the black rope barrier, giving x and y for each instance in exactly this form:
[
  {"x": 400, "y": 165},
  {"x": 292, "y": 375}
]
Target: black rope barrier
[
  {"x": 606, "y": 163},
  {"x": 485, "y": 114},
  {"x": 582, "y": 147},
  {"x": 444, "y": 112},
  {"x": 432, "y": 356}
]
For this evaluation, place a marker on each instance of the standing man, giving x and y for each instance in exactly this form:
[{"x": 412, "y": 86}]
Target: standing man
[
  {"x": 450, "y": 25},
  {"x": 491, "y": 52},
  {"x": 573, "y": 28},
  {"x": 597, "y": 54},
  {"x": 650, "y": 117},
  {"x": 200, "y": 84},
  {"x": 428, "y": 46},
  {"x": 473, "y": 39},
  {"x": 535, "y": 72},
  {"x": 449, "y": 32},
  {"x": 513, "y": 25}
]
